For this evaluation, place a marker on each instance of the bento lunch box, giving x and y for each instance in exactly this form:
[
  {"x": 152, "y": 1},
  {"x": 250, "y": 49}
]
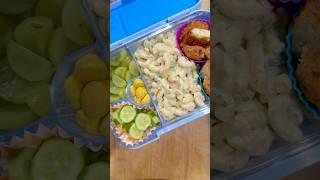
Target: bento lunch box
[{"x": 128, "y": 29}]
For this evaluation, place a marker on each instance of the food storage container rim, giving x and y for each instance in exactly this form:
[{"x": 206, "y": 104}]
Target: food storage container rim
[{"x": 126, "y": 24}]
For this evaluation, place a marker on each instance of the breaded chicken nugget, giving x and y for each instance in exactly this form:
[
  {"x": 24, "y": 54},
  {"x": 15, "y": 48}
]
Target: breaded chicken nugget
[
  {"x": 194, "y": 52},
  {"x": 308, "y": 74}
]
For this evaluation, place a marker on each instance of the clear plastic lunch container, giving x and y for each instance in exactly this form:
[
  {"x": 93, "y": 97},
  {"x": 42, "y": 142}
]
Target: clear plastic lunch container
[
  {"x": 64, "y": 112},
  {"x": 128, "y": 29}
]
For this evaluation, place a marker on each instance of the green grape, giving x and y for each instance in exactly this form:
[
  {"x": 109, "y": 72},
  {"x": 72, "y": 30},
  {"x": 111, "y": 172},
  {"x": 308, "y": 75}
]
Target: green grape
[
  {"x": 114, "y": 61},
  {"x": 33, "y": 33},
  {"x": 74, "y": 23},
  {"x": 115, "y": 90},
  {"x": 39, "y": 100},
  {"x": 15, "y": 6},
  {"x": 133, "y": 69},
  {"x": 126, "y": 61},
  {"x": 122, "y": 93},
  {"x": 58, "y": 46},
  {"x": 118, "y": 81},
  {"x": 121, "y": 72},
  {"x": 114, "y": 98},
  {"x": 122, "y": 54},
  {"x": 27, "y": 64},
  {"x": 128, "y": 76},
  {"x": 51, "y": 9},
  {"x": 15, "y": 116}
]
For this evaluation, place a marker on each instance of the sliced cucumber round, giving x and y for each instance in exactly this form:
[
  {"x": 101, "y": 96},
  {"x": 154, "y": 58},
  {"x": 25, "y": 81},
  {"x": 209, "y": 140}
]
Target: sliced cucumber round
[
  {"x": 135, "y": 132},
  {"x": 19, "y": 164},
  {"x": 143, "y": 121},
  {"x": 96, "y": 171},
  {"x": 127, "y": 113},
  {"x": 57, "y": 159},
  {"x": 116, "y": 115}
]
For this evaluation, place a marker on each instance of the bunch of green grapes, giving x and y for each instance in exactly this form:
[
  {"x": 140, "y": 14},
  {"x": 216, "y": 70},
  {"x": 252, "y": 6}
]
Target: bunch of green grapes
[
  {"x": 122, "y": 70},
  {"x": 35, "y": 36}
]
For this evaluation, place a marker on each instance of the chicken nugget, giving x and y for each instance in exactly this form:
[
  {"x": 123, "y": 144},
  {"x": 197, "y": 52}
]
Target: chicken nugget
[
  {"x": 194, "y": 52},
  {"x": 308, "y": 74}
]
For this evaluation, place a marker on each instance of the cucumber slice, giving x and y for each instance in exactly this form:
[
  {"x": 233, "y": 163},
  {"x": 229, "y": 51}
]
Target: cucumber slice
[
  {"x": 116, "y": 114},
  {"x": 143, "y": 121},
  {"x": 121, "y": 72},
  {"x": 118, "y": 81},
  {"x": 96, "y": 171},
  {"x": 19, "y": 164},
  {"x": 135, "y": 132},
  {"x": 127, "y": 114},
  {"x": 57, "y": 159},
  {"x": 155, "y": 120}
]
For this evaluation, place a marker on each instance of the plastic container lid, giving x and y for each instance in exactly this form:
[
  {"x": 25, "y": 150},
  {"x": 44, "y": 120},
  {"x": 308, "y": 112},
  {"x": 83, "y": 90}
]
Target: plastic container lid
[{"x": 130, "y": 17}]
